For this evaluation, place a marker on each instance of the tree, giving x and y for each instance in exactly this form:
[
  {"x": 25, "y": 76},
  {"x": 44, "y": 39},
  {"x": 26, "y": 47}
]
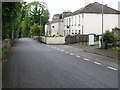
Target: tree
[
  {"x": 18, "y": 17},
  {"x": 110, "y": 37},
  {"x": 39, "y": 13},
  {"x": 10, "y": 15},
  {"x": 35, "y": 29}
]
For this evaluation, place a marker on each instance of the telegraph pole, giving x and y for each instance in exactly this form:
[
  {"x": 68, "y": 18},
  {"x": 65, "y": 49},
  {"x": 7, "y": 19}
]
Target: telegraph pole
[{"x": 102, "y": 22}]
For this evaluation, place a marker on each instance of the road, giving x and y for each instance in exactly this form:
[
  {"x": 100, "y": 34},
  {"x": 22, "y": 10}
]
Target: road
[{"x": 35, "y": 65}]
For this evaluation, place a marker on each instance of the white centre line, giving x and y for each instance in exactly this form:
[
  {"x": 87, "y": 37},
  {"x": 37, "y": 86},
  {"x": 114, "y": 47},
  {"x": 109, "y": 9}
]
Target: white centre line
[
  {"x": 58, "y": 49},
  {"x": 112, "y": 68},
  {"x": 78, "y": 56},
  {"x": 62, "y": 50},
  {"x": 48, "y": 45},
  {"x": 86, "y": 59},
  {"x": 66, "y": 52},
  {"x": 71, "y": 54},
  {"x": 97, "y": 63}
]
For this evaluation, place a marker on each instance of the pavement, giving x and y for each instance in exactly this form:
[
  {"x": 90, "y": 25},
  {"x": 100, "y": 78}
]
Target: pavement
[
  {"x": 96, "y": 50},
  {"x": 32, "y": 64}
]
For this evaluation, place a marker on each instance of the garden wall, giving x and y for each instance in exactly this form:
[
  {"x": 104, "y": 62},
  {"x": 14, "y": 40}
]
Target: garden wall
[{"x": 53, "y": 40}]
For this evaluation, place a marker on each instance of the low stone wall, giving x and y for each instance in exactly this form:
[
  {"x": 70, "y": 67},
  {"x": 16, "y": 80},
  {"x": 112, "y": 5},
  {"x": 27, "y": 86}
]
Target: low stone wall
[
  {"x": 53, "y": 40},
  {"x": 5, "y": 45}
]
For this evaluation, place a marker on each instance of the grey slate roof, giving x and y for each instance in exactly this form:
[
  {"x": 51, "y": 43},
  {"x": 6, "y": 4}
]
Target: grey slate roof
[
  {"x": 96, "y": 8},
  {"x": 55, "y": 21}
]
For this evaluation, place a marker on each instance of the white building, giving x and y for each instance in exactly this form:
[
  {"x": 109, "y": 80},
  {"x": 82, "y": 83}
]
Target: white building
[
  {"x": 54, "y": 27},
  {"x": 86, "y": 20},
  {"x": 89, "y": 20}
]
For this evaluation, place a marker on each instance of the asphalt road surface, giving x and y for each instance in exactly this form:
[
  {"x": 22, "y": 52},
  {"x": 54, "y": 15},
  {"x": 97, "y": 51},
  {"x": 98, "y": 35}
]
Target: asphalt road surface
[{"x": 35, "y": 65}]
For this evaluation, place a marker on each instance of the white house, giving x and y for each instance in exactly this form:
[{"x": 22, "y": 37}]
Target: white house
[
  {"x": 54, "y": 27},
  {"x": 86, "y": 20},
  {"x": 89, "y": 20}
]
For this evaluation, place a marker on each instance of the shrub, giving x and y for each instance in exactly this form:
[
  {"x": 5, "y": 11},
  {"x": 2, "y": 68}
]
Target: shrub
[
  {"x": 110, "y": 37},
  {"x": 57, "y": 35}
]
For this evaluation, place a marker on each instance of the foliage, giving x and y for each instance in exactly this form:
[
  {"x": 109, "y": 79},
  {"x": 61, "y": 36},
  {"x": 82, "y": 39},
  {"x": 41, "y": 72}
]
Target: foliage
[
  {"x": 96, "y": 43},
  {"x": 10, "y": 15},
  {"x": 57, "y": 35},
  {"x": 39, "y": 13},
  {"x": 35, "y": 29},
  {"x": 18, "y": 17},
  {"x": 110, "y": 37},
  {"x": 115, "y": 48},
  {"x": 117, "y": 32}
]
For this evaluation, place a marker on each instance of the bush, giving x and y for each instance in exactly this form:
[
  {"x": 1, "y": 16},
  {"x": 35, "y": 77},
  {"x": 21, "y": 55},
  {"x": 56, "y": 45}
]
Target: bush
[
  {"x": 110, "y": 37},
  {"x": 57, "y": 35}
]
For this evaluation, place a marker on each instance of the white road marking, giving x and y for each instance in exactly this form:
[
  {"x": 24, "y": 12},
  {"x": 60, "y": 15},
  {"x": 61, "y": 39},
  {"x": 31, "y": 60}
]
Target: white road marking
[
  {"x": 97, "y": 63},
  {"x": 78, "y": 56},
  {"x": 86, "y": 59},
  {"x": 112, "y": 68},
  {"x": 58, "y": 49},
  {"x": 62, "y": 50},
  {"x": 48, "y": 45},
  {"x": 71, "y": 54},
  {"x": 66, "y": 52}
]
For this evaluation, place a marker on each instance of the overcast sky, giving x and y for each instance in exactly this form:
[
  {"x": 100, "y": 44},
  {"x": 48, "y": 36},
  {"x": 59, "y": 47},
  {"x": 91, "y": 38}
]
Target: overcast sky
[{"x": 58, "y": 6}]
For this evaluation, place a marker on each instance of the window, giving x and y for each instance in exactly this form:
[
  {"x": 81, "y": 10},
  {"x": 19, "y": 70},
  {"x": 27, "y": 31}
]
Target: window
[
  {"x": 75, "y": 31},
  {"x": 72, "y": 20},
  {"x": 79, "y": 21},
  {"x": 76, "y": 20},
  {"x": 69, "y": 31},
  {"x": 53, "y": 26},
  {"x": 69, "y": 21},
  {"x": 72, "y": 32},
  {"x": 79, "y": 32}
]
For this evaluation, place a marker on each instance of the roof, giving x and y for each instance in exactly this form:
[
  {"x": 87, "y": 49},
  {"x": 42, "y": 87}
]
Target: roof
[
  {"x": 55, "y": 21},
  {"x": 96, "y": 8}
]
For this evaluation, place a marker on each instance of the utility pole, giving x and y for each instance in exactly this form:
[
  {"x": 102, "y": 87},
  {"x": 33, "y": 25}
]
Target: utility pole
[{"x": 102, "y": 22}]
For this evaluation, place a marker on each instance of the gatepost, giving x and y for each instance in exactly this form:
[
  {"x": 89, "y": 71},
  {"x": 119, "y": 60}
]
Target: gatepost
[
  {"x": 91, "y": 39},
  {"x": 100, "y": 41}
]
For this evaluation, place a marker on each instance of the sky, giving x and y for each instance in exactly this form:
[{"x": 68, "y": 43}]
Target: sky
[{"x": 58, "y": 6}]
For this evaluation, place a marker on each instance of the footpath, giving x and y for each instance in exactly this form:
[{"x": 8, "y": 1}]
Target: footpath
[{"x": 96, "y": 50}]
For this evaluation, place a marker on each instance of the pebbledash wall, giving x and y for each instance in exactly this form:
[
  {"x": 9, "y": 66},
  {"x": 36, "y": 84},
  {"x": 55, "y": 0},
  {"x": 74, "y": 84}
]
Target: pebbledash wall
[{"x": 93, "y": 23}]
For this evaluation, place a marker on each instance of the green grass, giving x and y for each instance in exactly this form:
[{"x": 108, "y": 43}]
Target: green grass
[
  {"x": 116, "y": 48},
  {"x": 86, "y": 44},
  {"x": 96, "y": 42}
]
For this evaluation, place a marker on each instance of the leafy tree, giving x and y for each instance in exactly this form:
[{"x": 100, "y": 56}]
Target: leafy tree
[
  {"x": 10, "y": 14},
  {"x": 110, "y": 37},
  {"x": 18, "y": 17},
  {"x": 35, "y": 29},
  {"x": 39, "y": 13}
]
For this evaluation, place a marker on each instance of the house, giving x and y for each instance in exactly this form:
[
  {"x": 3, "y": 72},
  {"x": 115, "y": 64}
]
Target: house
[
  {"x": 56, "y": 25},
  {"x": 88, "y": 20}
]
